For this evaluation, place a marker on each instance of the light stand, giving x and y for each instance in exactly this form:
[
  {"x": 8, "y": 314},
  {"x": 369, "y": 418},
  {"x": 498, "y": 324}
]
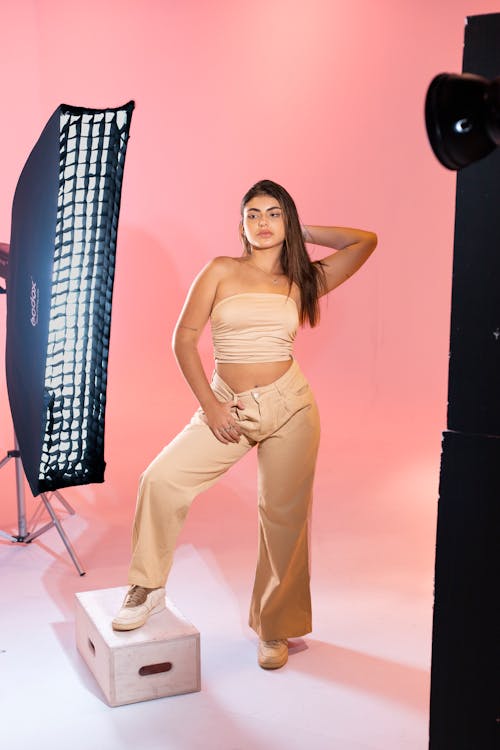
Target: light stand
[
  {"x": 21, "y": 507},
  {"x": 23, "y": 535}
]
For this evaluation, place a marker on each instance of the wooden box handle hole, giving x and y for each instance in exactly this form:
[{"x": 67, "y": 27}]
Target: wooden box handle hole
[
  {"x": 165, "y": 666},
  {"x": 91, "y": 646}
]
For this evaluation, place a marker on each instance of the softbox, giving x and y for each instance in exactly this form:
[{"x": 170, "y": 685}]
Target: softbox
[{"x": 59, "y": 293}]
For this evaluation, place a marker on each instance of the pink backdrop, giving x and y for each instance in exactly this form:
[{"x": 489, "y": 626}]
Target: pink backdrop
[{"x": 324, "y": 97}]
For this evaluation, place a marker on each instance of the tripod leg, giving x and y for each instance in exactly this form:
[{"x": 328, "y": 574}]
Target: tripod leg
[
  {"x": 8, "y": 536},
  {"x": 20, "y": 499},
  {"x": 64, "y": 502},
  {"x": 21, "y": 506},
  {"x": 62, "y": 534}
]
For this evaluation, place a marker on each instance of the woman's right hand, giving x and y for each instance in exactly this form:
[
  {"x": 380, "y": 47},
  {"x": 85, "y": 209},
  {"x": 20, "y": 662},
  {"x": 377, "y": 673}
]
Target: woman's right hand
[{"x": 221, "y": 420}]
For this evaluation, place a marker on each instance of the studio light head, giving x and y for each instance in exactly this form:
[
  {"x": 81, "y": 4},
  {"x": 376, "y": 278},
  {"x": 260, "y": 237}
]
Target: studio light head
[
  {"x": 462, "y": 115},
  {"x": 59, "y": 293}
]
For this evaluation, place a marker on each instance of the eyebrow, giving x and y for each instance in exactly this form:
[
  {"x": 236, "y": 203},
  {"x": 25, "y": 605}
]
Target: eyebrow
[{"x": 257, "y": 210}]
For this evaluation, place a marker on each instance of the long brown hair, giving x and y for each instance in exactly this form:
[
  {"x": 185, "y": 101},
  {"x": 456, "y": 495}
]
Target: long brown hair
[{"x": 294, "y": 259}]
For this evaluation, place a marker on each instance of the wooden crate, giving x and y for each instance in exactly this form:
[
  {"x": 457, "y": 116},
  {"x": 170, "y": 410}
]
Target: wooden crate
[{"x": 161, "y": 658}]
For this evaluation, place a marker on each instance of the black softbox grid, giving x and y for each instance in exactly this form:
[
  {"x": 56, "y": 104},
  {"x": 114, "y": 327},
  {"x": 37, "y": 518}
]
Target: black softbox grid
[{"x": 66, "y": 262}]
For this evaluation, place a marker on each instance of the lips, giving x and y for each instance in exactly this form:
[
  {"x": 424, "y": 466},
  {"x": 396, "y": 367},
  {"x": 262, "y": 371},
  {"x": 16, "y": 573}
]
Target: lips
[{"x": 264, "y": 234}]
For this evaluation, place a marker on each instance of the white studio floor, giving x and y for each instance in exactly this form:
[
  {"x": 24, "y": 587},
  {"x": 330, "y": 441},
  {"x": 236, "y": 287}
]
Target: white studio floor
[{"x": 360, "y": 681}]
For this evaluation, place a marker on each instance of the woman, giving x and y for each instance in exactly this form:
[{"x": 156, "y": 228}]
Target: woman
[{"x": 257, "y": 396}]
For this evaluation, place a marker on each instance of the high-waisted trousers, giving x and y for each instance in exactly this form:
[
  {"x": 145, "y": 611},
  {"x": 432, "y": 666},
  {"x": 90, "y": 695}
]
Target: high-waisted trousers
[{"x": 282, "y": 420}]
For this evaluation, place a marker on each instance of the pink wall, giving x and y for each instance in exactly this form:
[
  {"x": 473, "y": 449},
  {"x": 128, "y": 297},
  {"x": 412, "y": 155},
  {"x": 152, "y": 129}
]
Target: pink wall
[{"x": 323, "y": 96}]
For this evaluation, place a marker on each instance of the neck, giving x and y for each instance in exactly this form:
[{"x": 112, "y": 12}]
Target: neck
[{"x": 267, "y": 261}]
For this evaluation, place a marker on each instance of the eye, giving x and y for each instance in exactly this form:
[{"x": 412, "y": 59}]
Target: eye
[
  {"x": 251, "y": 216},
  {"x": 276, "y": 215}
]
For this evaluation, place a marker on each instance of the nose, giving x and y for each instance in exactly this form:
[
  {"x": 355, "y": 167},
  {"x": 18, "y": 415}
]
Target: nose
[{"x": 263, "y": 221}]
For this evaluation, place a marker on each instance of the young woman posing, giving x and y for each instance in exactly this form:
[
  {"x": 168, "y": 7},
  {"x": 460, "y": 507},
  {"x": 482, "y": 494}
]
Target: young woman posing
[{"x": 257, "y": 396}]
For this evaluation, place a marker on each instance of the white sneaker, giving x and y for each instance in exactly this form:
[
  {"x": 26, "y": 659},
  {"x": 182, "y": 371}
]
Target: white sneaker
[
  {"x": 273, "y": 654},
  {"x": 138, "y": 605}
]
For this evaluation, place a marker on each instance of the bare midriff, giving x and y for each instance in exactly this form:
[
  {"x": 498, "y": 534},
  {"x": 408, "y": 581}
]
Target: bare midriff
[{"x": 243, "y": 377}]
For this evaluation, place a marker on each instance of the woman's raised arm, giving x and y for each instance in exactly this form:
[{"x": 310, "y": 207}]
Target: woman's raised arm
[{"x": 353, "y": 248}]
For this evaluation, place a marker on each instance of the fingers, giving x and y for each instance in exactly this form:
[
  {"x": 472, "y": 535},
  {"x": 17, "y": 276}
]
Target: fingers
[
  {"x": 232, "y": 432},
  {"x": 229, "y": 434},
  {"x": 220, "y": 436},
  {"x": 223, "y": 424}
]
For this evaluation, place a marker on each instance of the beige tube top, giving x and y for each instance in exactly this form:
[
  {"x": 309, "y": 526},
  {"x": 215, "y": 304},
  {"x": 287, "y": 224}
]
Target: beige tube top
[{"x": 254, "y": 327}]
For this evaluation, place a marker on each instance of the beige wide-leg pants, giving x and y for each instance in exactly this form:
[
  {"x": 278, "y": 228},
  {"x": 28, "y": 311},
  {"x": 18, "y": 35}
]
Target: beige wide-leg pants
[{"x": 282, "y": 420}]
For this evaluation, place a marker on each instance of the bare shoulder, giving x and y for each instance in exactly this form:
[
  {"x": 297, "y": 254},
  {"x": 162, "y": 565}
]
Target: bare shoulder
[
  {"x": 216, "y": 273},
  {"x": 226, "y": 263},
  {"x": 220, "y": 267}
]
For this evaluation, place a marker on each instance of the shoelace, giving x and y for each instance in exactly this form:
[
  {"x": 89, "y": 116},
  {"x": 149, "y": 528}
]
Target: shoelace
[{"x": 137, "y": 595}]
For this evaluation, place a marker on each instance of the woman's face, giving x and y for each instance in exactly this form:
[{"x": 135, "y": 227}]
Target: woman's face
[{"x": 263, "y": 222}]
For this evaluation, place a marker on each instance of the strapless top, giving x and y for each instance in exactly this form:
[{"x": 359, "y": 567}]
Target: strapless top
[{"x": 254, "y": 327}]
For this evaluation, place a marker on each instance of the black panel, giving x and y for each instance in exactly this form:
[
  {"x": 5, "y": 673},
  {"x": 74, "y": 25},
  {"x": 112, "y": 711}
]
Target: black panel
[
  {"x": 465, "y": 711},
  {"x": 465, "y": 654},
  {"x": 473, "y": 394}
]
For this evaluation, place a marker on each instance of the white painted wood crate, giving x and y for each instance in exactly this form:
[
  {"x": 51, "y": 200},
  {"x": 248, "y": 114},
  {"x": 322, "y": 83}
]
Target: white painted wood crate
[{"x": 161, "y": 658}]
